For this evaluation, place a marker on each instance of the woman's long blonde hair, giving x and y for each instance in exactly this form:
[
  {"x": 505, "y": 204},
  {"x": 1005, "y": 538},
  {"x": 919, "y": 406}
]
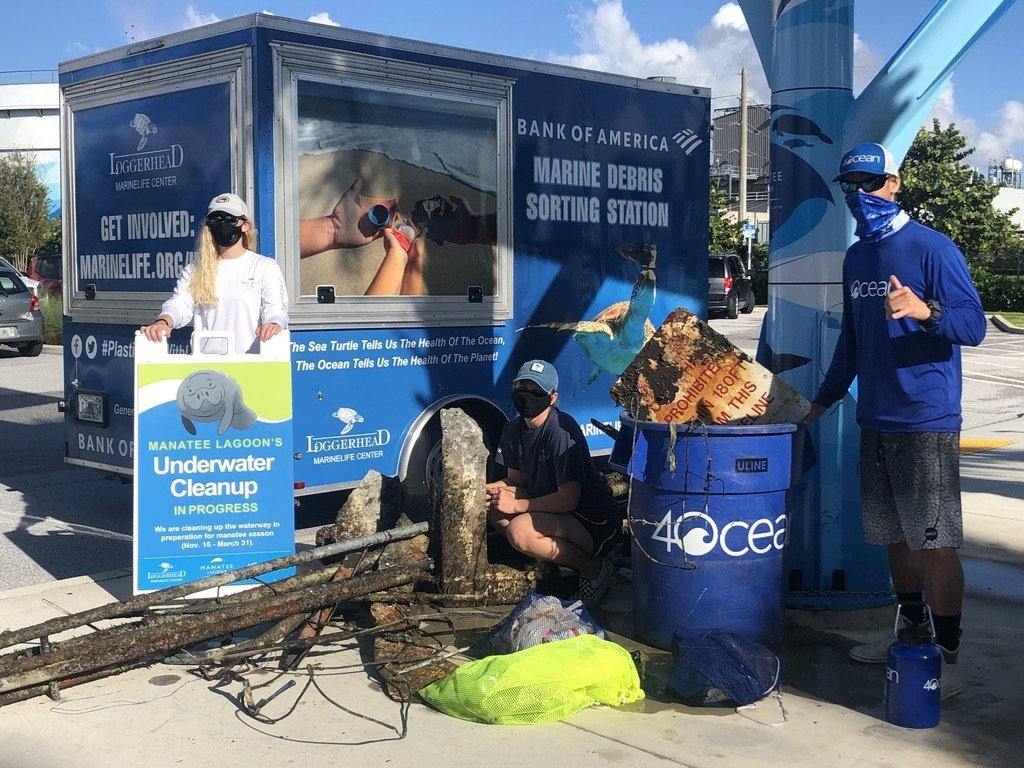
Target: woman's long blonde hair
[{"x": 203, "y": 285}]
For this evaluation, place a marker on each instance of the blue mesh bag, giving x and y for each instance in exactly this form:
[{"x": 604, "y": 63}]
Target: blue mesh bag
[{"x": 719, "y": 669}]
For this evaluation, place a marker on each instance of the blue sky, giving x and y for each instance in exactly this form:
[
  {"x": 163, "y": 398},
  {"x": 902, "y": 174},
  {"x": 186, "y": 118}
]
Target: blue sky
[{"x": 699, "y": 41}]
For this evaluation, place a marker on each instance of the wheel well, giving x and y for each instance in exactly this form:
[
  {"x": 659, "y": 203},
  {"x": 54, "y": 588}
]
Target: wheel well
[{"x": 427, "y": 428}]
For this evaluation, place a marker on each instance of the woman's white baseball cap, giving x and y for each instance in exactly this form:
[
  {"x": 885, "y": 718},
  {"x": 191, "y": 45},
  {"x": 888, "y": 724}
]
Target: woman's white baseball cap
[{"x": 229, "y": 203}]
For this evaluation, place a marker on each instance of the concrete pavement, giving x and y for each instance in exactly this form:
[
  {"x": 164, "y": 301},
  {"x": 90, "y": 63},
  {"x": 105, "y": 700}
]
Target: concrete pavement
[{"x": 164, "y": 716}]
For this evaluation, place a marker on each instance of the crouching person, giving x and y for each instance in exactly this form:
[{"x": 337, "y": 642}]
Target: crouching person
[{"x": 553, "y": 505}]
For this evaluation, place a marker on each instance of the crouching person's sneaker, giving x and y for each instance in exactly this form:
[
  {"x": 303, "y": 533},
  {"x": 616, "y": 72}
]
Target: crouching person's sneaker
[
  {"x": 592, "y": 591},
  {"x": 952, "y": 677},
  {"x": 877, "y": 652}
]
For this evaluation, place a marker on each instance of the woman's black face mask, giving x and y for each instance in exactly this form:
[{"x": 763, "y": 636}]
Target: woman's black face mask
[
  {"x": 530, "y": 403},
  {"x": 225, "y": 229}
]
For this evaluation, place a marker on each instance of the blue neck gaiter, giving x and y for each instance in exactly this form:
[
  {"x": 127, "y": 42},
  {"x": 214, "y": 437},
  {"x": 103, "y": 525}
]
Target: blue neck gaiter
[{"x": 876, "y": 217}]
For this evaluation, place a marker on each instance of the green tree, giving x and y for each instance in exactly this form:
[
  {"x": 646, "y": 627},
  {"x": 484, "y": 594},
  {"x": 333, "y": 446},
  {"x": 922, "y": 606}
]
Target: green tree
[
  {"x": 24, "y": 225},
  {"x": 943, "y": 193},
  {"x": 723, "y": 235}
]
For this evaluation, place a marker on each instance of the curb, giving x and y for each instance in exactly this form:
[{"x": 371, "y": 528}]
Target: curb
[
  {"x": 46, "y": 586},
  {"x": 969, "y": 445},
  {"x": 1005, "y": 325},
  {"x": 53, "y": 349}
]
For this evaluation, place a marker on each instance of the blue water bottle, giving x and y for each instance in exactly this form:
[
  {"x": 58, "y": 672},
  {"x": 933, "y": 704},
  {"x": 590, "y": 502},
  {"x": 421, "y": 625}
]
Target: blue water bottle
[{"x": 913, "y": 673}]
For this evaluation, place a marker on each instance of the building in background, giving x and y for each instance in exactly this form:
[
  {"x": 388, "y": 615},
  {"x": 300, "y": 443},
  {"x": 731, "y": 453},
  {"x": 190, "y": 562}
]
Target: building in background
[
  {"x": 1009, "y": 175},
  {"x": 30, "y": 122},
  {"x": 725, "y": 161}
]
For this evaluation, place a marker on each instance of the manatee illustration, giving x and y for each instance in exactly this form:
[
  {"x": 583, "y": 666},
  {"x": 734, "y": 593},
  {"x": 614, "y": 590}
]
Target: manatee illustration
[
  {"x": 797, "y": 143},
  {"x": 213, "y": 396},
  {"x": 144, "y": 127},
  {"x": 798, "y": 125},
  {"x": 348, "y": 418},
  {"x": 617, "y": 333}
]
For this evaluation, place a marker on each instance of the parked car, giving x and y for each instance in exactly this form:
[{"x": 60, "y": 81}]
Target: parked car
[
  {"x": 21, "y": 320},
  {"x": 48, "y": 269},
  {"x": 729, "y": 287},
  {"x": 33, "y": 285}
]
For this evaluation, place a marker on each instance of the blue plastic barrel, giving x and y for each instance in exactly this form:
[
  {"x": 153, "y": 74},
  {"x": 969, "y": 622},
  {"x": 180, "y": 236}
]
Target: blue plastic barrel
[{"x": 709, "y": 534}]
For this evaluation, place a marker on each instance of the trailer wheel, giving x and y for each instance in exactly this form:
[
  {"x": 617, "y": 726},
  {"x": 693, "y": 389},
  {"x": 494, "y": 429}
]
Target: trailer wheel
[{"x": 423, "y": 475}]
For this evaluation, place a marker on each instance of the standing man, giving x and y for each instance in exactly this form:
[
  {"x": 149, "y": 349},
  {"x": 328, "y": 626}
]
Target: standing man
[
  {"x": 553, "y": 505},
  {"x": 908, "y": 305}
]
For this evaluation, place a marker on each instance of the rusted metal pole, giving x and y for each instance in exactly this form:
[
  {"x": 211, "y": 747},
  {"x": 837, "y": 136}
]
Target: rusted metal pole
[
  {"x": 141, "y": 602},
  {"x": 239, "y": 600},
  {"x": 120, "y": 645}
]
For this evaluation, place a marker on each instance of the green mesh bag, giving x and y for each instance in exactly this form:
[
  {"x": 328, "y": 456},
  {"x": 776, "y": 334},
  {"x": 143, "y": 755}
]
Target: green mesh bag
[{"x": 542, "y": 684}]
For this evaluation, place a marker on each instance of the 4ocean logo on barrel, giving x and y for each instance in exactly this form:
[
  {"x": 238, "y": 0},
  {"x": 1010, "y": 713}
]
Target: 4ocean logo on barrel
[{"x": 736, "y": 538}]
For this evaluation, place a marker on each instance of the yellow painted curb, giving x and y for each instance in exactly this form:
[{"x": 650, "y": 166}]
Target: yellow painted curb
[{"x": 978, "y": 444}]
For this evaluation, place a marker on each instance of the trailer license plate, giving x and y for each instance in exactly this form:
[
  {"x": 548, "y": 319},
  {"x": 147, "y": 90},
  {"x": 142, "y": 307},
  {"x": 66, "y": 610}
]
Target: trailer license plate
[{"x": 8, "y": 331}]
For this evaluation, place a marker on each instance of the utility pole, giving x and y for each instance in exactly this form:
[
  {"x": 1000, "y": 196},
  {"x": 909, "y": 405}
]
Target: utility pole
[
  {"x": 742, "y": 146},
  {"x": 742, "y": 213}
]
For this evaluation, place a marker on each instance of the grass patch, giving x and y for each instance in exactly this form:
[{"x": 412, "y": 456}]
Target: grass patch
[
  {"x": 53, "y": 318},
  {"x": 1017, "y": 318}
]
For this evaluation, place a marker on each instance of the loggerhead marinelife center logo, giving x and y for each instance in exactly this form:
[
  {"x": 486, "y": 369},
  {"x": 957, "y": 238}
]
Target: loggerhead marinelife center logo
[{"x": 144, "y": 160}]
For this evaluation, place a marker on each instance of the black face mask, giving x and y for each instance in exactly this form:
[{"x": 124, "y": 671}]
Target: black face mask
[
  {"x": 225, "y": 231},
  {"x": 530, "y": 404}
]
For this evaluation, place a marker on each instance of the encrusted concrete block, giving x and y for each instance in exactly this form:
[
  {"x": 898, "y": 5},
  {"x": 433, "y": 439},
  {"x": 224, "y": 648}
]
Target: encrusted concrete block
[
  {"x": 372, "y": 506},
  {"x": 460, "y": 507}
]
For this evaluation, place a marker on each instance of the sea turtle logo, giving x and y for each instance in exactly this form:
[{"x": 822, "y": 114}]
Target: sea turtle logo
[
  {"x": 348, "y": 418},
  {"x": 144, "y": 127}
]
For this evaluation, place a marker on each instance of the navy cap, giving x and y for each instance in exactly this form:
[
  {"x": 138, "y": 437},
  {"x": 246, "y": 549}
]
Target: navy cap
[
  {"x": 868, "y": 158},
  {"x": 540, "y": 372}
]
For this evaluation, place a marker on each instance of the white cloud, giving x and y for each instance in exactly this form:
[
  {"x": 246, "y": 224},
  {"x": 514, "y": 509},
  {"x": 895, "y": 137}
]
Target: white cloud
[
  {"x": 196, "y": 18},
  {"x": 77, "y": 48},
  {"x": 866, "y": 63},
  {"x": 1006, "y": 134},
  {"x": 1003, "y": 136},
  {"x": 608, "y": 42},
  {"x": 323, "y": 18}
]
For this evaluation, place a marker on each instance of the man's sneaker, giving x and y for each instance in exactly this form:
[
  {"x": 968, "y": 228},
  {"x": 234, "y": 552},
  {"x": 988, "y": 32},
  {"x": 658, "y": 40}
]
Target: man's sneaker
[
  {"x": 877, "y": 652},
  {"x": 952, "y": 681},
  {"x": 592, "y": 591}
]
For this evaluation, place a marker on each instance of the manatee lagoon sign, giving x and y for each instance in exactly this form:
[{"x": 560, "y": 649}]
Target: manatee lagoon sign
[{"x": 213, "y": 463}]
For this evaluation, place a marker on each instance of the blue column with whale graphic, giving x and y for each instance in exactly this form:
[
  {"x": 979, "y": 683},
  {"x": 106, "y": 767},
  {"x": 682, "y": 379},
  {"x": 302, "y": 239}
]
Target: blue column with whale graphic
[
  {"x": 806, "y": 47},
  {"x": 213, "y": 460}
]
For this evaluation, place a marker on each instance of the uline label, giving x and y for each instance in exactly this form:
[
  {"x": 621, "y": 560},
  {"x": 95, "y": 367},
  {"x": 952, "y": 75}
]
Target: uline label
[{"x": 752, "y": 465}]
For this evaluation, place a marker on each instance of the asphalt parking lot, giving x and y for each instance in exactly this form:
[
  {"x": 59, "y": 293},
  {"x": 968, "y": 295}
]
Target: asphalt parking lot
[{"x": 58, "y": 521}]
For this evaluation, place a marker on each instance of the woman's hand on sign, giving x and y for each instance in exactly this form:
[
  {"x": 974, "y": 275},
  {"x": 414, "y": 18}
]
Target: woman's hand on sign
[
  {"x": 268, "y": 331},
  {"x": 158, "y": 331}
]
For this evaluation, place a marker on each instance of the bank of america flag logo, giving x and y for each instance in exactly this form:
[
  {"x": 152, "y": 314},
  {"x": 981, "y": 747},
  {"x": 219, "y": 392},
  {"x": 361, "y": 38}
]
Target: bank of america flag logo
[{"x": 687, "y": 140}]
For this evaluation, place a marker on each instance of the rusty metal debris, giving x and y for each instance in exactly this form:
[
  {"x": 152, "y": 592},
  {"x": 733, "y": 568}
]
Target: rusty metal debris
[
  {"x": 689, "y": 372},
  {"x": 140, "y": 603},
  {"x": 132, "y": 643},
  {"x": 307, "y": 598}
]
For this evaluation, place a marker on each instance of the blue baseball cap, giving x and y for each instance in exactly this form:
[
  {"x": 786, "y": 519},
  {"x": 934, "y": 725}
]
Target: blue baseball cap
[
  {"x": 868, "y": 158},
  {"x": 540, "y": 372}
]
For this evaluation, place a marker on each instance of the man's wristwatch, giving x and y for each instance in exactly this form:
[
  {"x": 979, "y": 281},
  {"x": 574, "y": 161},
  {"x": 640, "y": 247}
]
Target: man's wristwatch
[{"x": 936, "y": 314}]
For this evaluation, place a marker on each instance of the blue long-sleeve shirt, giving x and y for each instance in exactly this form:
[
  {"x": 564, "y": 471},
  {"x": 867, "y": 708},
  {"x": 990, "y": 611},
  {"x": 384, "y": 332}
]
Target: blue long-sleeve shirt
[{"x": 909, "y": 375}]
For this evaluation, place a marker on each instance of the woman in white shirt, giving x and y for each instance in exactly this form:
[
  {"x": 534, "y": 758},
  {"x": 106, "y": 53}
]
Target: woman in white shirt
[{"x": 227, "y": 287}]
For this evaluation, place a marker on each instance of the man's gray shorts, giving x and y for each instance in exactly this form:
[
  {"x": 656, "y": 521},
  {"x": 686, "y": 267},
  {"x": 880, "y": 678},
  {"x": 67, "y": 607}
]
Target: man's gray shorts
[{"x": 910, "y": 488}]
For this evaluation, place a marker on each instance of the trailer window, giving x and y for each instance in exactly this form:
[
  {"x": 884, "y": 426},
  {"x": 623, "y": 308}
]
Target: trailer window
[{"x": 426, "y": 167}]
